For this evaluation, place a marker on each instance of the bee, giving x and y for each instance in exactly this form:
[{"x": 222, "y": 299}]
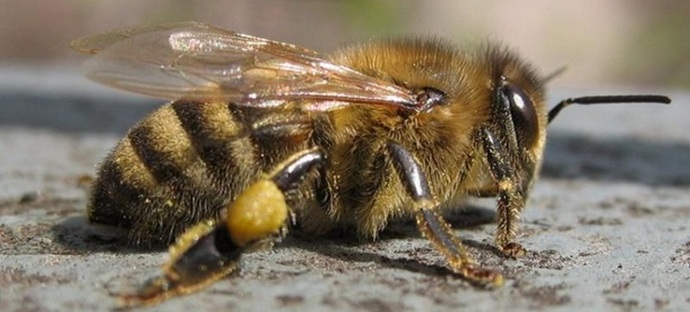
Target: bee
[{"x": 263, "y": 134}]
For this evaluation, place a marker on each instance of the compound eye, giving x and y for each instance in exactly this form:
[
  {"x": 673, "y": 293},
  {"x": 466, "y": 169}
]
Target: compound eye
[{"x": 524, "y": 115}]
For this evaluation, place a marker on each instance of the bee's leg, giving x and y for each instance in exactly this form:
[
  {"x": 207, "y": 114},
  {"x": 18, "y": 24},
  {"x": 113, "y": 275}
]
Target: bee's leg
[
  {"x": 510, "y": 198},
  {"x": 212, "y": 249},
  {"x": 431, "y": 223}
]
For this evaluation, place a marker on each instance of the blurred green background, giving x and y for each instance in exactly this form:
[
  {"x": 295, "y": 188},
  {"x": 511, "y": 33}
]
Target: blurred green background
[{"x": 631, "y": 43}]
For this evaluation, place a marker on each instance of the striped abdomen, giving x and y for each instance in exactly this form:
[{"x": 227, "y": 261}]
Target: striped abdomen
[{"x": 186, "y": 161}]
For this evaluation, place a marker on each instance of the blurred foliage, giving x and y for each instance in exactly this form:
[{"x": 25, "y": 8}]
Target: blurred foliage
[
  {"x": 376, "y": 17},
  {"x": 665, "y": 39},
  {"x": 628, "y": 42}
]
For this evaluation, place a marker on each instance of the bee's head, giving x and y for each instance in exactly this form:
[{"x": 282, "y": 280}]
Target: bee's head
[
  {"x": 517, "y": 103},
  {"x": 514, "y": 134}
]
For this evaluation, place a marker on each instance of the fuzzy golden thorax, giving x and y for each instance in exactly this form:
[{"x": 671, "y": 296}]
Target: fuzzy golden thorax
[{"x": 445, "y": 137}]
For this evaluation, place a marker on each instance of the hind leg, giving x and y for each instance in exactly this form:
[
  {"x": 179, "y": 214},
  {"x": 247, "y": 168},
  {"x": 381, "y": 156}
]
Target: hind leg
[{"x": 211, "y": 250}]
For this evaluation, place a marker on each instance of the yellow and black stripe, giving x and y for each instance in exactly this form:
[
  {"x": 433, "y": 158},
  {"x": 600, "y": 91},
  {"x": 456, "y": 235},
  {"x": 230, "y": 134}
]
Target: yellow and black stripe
[{"x": 187, "y": 160}]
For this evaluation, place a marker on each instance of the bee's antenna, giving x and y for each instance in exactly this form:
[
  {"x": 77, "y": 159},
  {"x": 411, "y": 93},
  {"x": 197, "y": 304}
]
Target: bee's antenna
[
  {"x": 606, "y": 99},
  {"x": 554, "y": 74}
]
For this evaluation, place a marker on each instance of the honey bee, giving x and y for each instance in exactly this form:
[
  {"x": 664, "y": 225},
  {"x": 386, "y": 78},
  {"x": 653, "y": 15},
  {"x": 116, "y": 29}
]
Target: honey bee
[{"x": 263, "y": 134}]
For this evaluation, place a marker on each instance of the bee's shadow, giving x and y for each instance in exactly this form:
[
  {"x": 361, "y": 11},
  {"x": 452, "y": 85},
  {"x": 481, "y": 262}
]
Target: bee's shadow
[
  {"x": 569, "y": 156},
  {"x": 345, "y": 246},
  {"x": 77, "y": 234},
  {"x": 467, "y": 217}
]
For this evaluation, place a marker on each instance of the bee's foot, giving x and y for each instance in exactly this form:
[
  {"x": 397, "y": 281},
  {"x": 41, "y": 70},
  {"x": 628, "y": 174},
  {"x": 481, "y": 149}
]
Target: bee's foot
[
  {"x": 155, "y": 291},
  {"x": 513, "y": 250},
  {"x": 484, "y": 277}
]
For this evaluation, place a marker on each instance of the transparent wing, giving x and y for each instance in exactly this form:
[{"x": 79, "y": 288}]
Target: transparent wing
[{"x": 197, "y": 61}]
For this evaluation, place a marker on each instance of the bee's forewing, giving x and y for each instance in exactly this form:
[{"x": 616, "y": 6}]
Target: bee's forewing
[{"x": 201, "y": 62}]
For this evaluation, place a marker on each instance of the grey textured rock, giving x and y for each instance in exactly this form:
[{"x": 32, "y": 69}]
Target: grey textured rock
[{"x": 606, "y": 227}]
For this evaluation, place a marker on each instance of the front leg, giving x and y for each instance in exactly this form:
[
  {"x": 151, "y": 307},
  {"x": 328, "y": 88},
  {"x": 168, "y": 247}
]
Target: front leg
[
  {"x": 211, "y": 249},
  {"x": 510, "y": 197},
  {"x": 431, "y": 223}
]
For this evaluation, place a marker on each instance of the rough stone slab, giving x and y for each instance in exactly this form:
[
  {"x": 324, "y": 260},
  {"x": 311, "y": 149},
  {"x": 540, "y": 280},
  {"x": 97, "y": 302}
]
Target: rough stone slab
[{"x": 607, "y": 225}]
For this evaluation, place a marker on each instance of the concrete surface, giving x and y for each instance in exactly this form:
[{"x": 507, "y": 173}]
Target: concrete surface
[{"x": 606, "y": 226}]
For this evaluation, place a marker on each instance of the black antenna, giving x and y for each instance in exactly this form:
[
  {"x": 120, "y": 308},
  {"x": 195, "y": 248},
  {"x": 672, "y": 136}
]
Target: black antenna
[
  {"x": 607, "y": 99},
  {"x": 554, "y": 74}
]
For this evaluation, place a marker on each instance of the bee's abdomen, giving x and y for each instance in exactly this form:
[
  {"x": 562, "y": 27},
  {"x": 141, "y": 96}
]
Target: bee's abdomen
[{"x": 180, "y": 165}]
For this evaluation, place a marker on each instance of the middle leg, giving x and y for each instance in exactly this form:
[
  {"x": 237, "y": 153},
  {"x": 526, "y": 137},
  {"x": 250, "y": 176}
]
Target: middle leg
[{"x": 432, "y": 225}]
